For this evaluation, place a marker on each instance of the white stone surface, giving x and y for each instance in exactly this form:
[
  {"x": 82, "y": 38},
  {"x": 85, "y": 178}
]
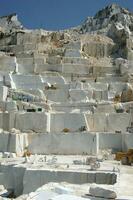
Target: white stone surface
[
  {"x": 31, "y": 121},
  {"x": 67, "y": 197},
  {"x": 3, "y": 93},
  {"x": 72, "y": 121},
  {"x": 75, "y": 69},
  {"x": 26, "y": 82},
  {"x": 53, "y": 79},
  {"x": 118, "y": 122},
  {"x": 110, "y": 141},
  {"x": 34, "y": 178},
  {"x": 72, "y": 53},
  {"x": 80, "y": 95},
  {"x": 25, "y": 65},
  {"x": 127, "y": 141},
  {"x": 14, "y": 143},
  {"x": 7, "y": 63},
  {"x": 108, "y": 122},
  {"x": 57, "y": 95},
  {"x": 63, "y": 143},
  {"x": 40, "y": 69}
]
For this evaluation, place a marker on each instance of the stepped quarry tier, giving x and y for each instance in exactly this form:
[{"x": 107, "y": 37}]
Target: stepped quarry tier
[{"x": 66, "y": 93}]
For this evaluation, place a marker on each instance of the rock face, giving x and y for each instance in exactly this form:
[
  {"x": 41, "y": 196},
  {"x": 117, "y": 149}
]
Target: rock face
[
  {"x": 101, "y": 192},
  {"x": 67, "y": 82},
  {"x": 97, "y": 45},
  {"x": 105, "y": 18},
  {"x": 113, "y": 21},
  {"x": 9, "y": 23}
]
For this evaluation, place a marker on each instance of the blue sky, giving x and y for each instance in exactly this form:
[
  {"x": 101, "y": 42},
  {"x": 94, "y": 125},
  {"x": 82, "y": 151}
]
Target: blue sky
[{"x": 55, "y": 14}]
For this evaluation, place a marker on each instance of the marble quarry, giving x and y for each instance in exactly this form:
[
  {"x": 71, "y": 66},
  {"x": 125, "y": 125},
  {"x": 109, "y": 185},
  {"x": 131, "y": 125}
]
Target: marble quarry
[{"x": 66, "y": 103}]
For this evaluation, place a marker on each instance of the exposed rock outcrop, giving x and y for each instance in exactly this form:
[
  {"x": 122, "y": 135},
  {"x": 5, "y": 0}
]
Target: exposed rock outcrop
[
  {"x": 97, "y": 45},
  {"x": 9, "y": 23}
]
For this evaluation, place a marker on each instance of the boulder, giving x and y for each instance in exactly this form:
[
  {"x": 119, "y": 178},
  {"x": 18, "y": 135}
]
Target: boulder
[{"x": 101, "y": 192}]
